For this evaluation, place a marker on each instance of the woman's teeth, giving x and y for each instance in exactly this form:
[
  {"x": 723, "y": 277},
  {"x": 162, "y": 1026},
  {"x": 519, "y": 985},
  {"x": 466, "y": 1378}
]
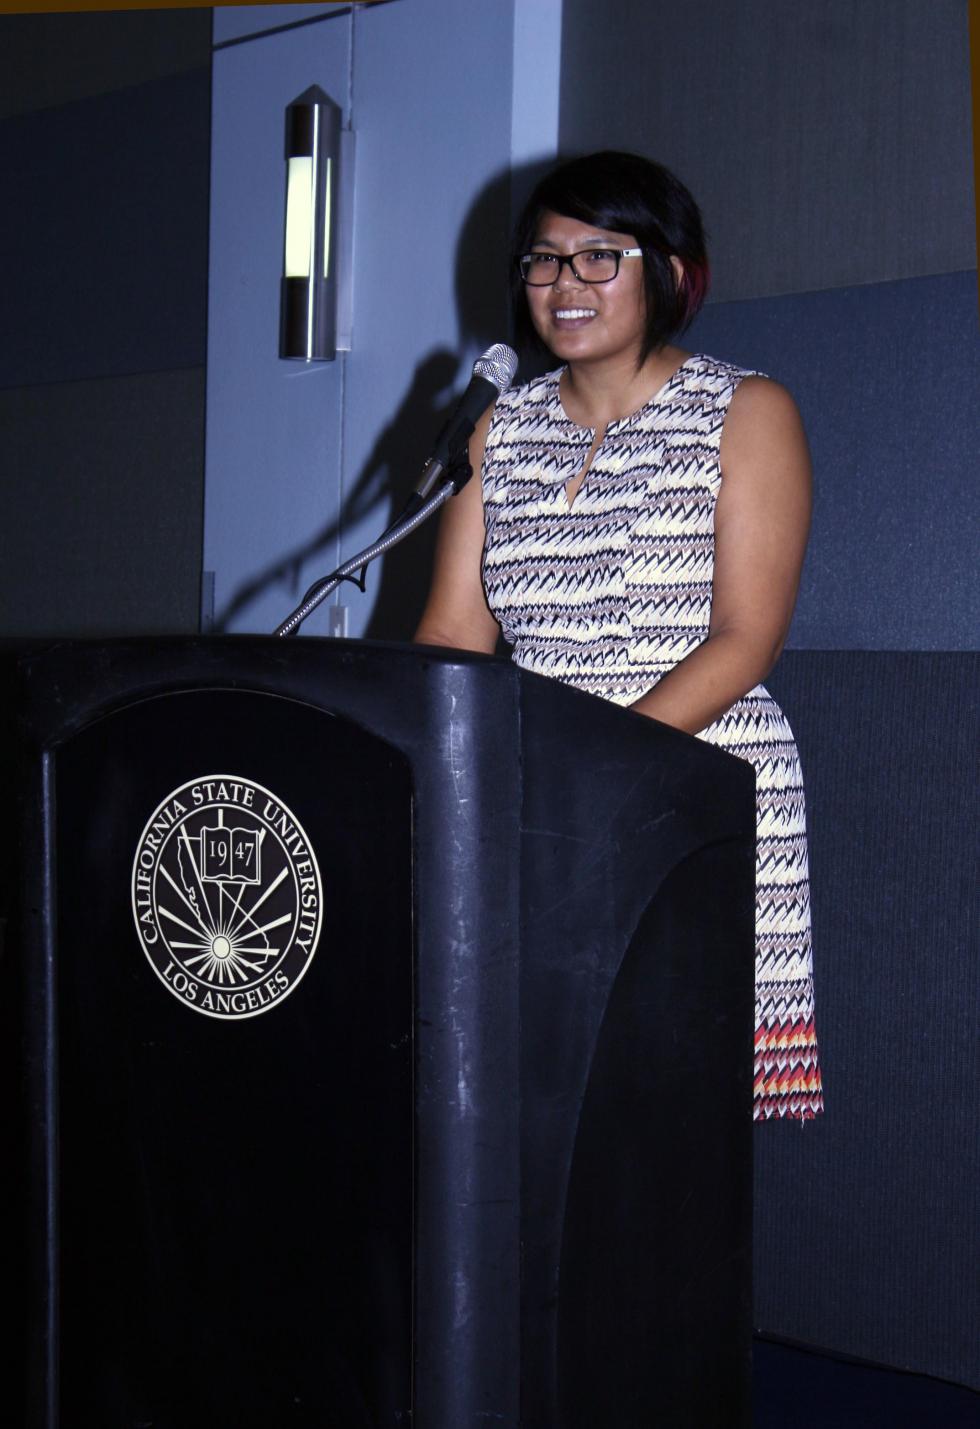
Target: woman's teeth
[{"x": 567, "y": 314}]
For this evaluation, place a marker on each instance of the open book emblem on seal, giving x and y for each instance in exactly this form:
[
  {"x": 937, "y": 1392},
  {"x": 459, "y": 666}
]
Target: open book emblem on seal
[{"x": 227, "y": 896}]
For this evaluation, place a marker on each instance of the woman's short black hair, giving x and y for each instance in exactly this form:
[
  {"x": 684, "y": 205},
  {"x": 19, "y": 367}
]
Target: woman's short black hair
[{"x": 627, "y": 194}]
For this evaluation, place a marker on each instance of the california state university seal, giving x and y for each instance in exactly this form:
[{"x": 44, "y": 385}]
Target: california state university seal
[{"x": 226, "y": 896}]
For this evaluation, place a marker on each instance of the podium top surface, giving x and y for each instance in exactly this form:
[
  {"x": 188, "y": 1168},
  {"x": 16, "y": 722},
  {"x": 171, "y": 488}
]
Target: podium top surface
[{"x": 409, "y": 695}]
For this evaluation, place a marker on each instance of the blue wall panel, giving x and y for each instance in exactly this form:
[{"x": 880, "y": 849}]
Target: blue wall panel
[
  {"x": 273, "y": 427},
  {"x": 234, "y": 22},
  {"x": 432, "y": 114},
  {"x": 305, "y": 465},
  {"x": 887, "y": 376}
]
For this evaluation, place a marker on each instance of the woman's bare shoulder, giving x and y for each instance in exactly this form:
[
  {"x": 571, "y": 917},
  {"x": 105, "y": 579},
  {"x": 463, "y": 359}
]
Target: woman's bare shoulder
[
  {"x": 763, "y": 444},
  {"x": 762, "y": 398}
]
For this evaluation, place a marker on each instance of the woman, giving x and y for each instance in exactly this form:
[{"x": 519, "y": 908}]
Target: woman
[{"x": 640, "y": 528}]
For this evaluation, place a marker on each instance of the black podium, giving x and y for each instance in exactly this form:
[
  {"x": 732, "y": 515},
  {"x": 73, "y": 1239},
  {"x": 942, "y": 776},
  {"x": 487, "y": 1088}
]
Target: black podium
[{"x": 378, "y": 1046}]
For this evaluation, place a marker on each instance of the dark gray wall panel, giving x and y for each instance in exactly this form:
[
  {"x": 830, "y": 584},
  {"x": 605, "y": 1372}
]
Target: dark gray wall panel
[
  {"x": 52, "y": 59},
  {"x": 103, "y": 493},
  {"x": 866, "y": 1218},
  {"x": 887, "y": 378},
  {"x": 828, "y": 144},
  {"x": 106, "y": 265},
  {"x": 104, "y": 150}
]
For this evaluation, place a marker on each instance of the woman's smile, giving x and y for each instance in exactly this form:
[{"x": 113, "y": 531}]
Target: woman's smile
[{"x": 568, "y": 318}]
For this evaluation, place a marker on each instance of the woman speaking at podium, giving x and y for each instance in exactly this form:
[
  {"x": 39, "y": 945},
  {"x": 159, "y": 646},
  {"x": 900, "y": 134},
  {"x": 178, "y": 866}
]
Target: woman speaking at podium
[{"x": 640, "y": 528}]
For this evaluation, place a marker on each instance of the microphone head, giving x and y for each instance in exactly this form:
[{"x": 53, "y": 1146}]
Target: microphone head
[{"x": 497, "y": 365}]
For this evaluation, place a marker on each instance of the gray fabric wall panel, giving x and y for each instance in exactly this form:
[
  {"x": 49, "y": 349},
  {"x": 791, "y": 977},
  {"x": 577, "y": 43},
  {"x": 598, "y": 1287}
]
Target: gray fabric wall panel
[
  {"x": 104, "y": 495},
  {"x": 104, "y": 149},
  {"x": 110, "y": 254},
  {"x": 828, "y": 144},
  {"x": 887, "y": 377},
  {"x": 48, "y": 60},
  {"x": 866, "y": 1218}
]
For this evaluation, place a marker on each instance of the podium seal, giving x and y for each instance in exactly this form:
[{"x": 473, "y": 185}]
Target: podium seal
[{"x": 227, "y": 897}]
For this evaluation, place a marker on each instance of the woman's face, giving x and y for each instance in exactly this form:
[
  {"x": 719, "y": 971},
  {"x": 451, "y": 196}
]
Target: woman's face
[{"x": 587, "y": 322}]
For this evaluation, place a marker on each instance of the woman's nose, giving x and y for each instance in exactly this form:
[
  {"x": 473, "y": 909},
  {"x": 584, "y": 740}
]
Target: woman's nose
[{"x": 567, "y": 276}]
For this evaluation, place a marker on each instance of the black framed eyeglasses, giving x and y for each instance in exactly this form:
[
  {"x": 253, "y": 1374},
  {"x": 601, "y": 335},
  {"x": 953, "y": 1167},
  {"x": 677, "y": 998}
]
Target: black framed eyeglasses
[{"x": 598, "y": 265}]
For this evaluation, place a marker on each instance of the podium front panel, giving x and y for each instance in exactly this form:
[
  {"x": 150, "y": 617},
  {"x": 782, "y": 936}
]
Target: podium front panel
[{"x": 236, "y": 1100}]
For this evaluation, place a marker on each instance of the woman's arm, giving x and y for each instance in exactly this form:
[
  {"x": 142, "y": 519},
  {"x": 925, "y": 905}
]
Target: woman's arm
[
  {"x": 456, "y": 613},
  {"x": 762, "y": 518}
]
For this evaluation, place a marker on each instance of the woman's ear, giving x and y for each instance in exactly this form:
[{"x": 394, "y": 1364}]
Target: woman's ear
[{"x": 678, "y": 268}]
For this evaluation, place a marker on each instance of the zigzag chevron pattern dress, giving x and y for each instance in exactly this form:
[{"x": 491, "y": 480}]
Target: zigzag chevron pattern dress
[{"x": 608, "y": 594}]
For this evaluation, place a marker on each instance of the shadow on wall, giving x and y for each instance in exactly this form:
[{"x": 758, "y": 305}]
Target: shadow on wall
[
  {"x": 382, "y": 486},
  {"x": 385, "y": 481},
  {"x": 481, "y": 291}
]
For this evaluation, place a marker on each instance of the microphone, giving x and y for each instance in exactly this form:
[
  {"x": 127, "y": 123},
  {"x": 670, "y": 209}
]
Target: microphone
[{"x": 492, "y": 374}]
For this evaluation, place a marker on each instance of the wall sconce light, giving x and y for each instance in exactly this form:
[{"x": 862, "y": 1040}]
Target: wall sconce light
[{"x": 308, "y": 299}]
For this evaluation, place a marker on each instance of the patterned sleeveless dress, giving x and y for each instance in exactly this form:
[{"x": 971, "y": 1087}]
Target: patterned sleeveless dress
[{"x": 610, "y": 593}]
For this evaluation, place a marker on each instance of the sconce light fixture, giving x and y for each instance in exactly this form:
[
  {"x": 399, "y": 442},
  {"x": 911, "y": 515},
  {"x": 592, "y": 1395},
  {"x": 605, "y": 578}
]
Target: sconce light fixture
[{"x": 308, "y": 299}]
